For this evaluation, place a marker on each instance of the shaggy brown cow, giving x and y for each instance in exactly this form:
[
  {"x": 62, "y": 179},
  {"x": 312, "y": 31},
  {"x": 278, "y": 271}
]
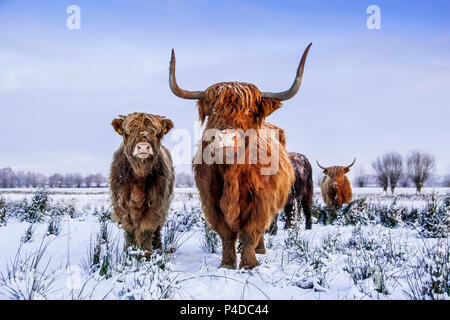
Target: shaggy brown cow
[
  {"x": 240, "y": 199},
  {"x": 141, "y": 179},
  {"x": 335, "y": 186},
  {"x": 301, "y": 195}
]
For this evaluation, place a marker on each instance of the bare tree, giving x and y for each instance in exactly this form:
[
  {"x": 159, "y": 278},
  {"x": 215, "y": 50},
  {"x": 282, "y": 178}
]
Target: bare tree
[
  {"x": 99, "y": 179},
  {"x": 89, "y": 180},
  {"x": 361, "y": 177},
  {"x": 77, "y": 180},
  {"x": 419, "y": 167},
  {"x": 20, "y": 179},
  {"x": 55, "y": 180},
  {"x": 7, "y": 178},
  {"x": 381, "y": 173},
  {"x": 394, "y": 165}
]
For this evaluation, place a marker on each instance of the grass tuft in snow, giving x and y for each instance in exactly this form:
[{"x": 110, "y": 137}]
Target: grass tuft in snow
[
  {"x": 210, "y": 241},
  {"x": 26, "y": 278},
  {"x": 28, "y": 236},
  {"x": 430, "y": 276}
]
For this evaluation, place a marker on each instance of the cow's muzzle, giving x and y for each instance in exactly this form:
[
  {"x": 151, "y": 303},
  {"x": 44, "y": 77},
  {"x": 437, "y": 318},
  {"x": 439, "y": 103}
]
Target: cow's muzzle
[{"x": 143, "y": 150}]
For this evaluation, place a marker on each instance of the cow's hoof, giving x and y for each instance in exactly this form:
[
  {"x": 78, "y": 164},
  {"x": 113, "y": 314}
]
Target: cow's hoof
[
  {"x": 148, "y": 255},
  {"x": 260, "y": 250},
  {"x": 247, "y": 266},
  {"x": 228, "y": 265}
]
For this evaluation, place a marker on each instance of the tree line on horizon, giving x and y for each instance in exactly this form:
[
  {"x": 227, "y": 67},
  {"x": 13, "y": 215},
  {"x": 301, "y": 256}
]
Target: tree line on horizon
[
  {"x": 392, "y": 170},
  {"x": 20, "y": 179}
]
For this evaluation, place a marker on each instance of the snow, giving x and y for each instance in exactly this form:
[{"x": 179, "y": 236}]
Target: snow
[{"x": 299, "y": 263}]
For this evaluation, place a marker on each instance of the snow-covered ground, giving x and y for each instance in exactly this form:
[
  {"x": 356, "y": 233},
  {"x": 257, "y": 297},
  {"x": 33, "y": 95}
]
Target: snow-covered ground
[{"x": 335, "y": 261}]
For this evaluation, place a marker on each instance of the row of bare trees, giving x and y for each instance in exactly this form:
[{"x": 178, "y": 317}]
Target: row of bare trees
[
  {"x": 392, "y": 170},
  {"x": 20, "y": 179}
]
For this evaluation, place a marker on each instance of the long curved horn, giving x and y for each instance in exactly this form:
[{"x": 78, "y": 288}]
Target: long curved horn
[
  {"x": 292, "y": 91},
  {"x": 354, "y": 160},
  {"x": 320, "y": 165},
  {"x": 185, "y": 94}
]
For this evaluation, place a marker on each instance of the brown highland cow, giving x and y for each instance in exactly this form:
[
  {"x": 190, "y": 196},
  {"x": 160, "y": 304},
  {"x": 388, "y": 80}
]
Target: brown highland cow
[
  {"x": 301, "y": 195},
  {"x": 141, "y": 179},
  {"x": 240, "y": 199},
  {"x": 335, "y": 186}
]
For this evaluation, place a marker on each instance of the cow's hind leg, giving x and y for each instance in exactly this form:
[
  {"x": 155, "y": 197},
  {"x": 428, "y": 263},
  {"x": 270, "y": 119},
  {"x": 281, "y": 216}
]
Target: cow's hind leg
[
  {"x": 289, "y": 211},
  {"x": 307, "y": 207}
]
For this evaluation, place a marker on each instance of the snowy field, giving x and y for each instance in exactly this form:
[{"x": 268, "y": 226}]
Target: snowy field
[{"x": 63, "y": 245}]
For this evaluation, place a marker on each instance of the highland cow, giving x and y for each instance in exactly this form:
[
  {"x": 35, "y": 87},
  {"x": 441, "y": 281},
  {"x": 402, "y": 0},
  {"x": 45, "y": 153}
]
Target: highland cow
[
  {"x": 301, "y": 195},
  {"x": 335, "y": 186},
  {"x": 240, "y": 198},
  {"x": 141, "y": 179}
]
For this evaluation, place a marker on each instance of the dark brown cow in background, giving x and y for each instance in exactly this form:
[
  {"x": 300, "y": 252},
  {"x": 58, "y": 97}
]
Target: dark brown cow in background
[
  {"x": 141, "y": 179},
  {"x": 301, "y": 196},
  {"x": 335, "y": 186},
  {"x": 237, "y": 199}
]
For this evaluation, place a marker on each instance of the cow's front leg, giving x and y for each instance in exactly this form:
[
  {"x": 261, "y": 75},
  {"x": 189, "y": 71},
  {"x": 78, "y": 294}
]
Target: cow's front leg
[
  {"x": 157, "y": 243},
  {"x": 273, "y": 229},
  {"x": 249, "y": 242},
  {"x": 145, "y": 241},
  {"x": 130, "y": 240},
  {"x": 261, "y": 248}
]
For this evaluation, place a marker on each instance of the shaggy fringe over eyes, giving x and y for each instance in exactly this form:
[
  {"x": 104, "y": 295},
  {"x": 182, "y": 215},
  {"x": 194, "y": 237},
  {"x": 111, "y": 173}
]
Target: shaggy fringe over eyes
[{"x": 228, "y": 93}]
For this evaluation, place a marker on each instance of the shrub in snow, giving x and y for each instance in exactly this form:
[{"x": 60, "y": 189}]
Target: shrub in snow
[
  {"x": 356, "y": 212},
  {"x": 64, "y": 209},
  {"x": 54, "y": 225},
  {"x": 2, "y": 212},
  {"x": 28, "y": 236},
  {"x": 210, "y": 240},
  {"x": 391, "y": 214},
  {"x": 100, "y": 253},
  {"x": 434, "y": 219},
  {"x": 103, "y": 214},
  {"x": 430, "y": 278},
  {"x": 175, "y": 230},
  {"x": 143, "y": 279},
  {"x": 35, "y": 211}
]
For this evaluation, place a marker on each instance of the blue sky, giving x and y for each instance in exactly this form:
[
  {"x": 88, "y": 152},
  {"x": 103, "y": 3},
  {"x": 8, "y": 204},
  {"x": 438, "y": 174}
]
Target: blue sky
[{"x": 364, "y": 92}]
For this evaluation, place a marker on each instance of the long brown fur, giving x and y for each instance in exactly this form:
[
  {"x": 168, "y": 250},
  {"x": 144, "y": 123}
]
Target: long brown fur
[
  {"x": 336, "y": 197},
  {"x": 141, "y": 189},
  {"x": 237, "y": 200}
]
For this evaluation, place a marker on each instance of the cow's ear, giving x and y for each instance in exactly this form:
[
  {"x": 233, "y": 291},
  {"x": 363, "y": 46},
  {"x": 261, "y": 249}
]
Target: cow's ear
[
  {"x": 347, "y": 169},
  {"x": 269, "y": 105},
  {"x": 117, "y": 125},
  {"x": 325, "y": 171},
  {"x": 204, "y": 110},
  {"x": 167, "y": 124}
]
